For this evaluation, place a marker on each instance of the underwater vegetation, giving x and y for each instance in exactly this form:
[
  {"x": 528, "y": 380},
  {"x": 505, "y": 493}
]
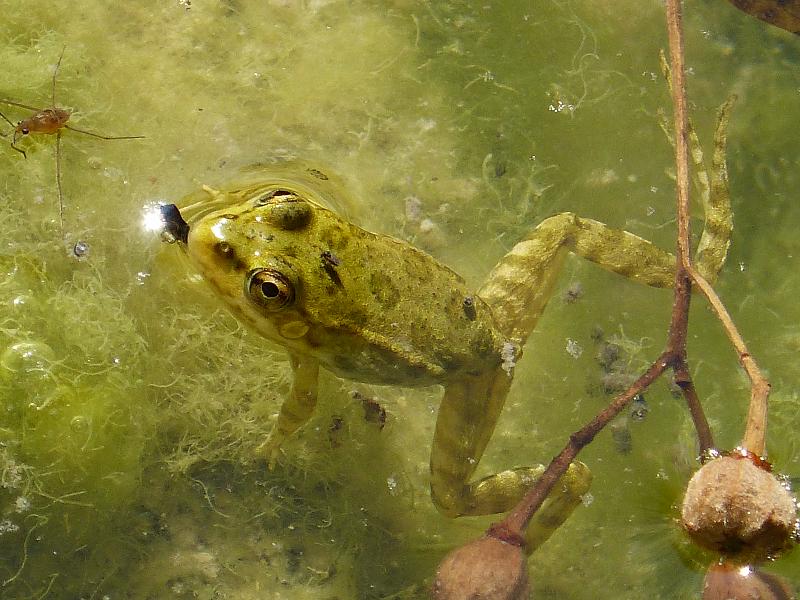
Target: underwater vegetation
[
  {"x": 72, "y": 429},
  {"x": 133, "y": 403}
]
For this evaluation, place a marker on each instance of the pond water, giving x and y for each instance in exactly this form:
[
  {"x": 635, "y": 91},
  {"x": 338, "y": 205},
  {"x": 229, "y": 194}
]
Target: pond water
[{"x": 133, "y": 403}]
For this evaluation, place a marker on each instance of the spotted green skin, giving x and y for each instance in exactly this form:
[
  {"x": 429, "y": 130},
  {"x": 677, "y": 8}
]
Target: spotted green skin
[{"x": 372, "y": 308}]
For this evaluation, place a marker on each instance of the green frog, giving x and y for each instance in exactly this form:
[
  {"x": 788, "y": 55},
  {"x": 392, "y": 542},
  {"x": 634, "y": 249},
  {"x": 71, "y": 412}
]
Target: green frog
[{"x": 375, "y": 309}]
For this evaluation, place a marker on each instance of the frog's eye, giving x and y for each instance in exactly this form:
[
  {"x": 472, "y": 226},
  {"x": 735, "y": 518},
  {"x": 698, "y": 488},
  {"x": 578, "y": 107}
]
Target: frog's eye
[
  {"x": 269, "y": 289},
  {"x": 273, "y": 197},
  {"x": 284, "y": 209}
]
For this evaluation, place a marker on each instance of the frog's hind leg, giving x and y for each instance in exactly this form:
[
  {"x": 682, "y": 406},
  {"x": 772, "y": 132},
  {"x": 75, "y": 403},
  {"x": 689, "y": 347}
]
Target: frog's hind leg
[
  {"x": 712, "y": 187},
  {"x": 520, "y": 285},
  {"x": 297, "y": 409},
  {"x": 522, "y": 282},
  {"x": 466, "y": 421}
]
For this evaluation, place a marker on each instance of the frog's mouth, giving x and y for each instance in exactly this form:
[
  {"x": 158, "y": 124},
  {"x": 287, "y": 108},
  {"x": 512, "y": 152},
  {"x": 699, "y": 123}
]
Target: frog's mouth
[{"x": 174, "y": 223}]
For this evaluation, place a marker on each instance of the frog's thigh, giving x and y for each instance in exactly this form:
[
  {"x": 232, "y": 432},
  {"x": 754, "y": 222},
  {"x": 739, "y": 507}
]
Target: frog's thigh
[
  {"x": 298, "y": 407},
  {"x": 521, "y": 284},
  {"x": 466, "y": 421}
]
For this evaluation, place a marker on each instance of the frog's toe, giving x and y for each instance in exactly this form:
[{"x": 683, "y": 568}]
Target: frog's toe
[
  {"x": 270, "y": 450},
  {"x": 568, "y": 494}
]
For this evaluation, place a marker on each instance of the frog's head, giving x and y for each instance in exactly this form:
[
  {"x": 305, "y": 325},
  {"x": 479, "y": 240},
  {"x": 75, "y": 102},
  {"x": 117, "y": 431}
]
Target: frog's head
[{"x": 251, "y": 251}]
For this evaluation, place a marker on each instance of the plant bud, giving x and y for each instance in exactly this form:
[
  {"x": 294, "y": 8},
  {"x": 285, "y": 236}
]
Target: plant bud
[
  {"x": 486, "y": 569},
  {"x": 730, "y": 582},
  {"x": 739, "y": 509}
]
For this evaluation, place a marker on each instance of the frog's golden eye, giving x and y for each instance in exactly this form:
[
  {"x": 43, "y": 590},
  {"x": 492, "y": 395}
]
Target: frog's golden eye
[{"x": 269, "y": 289}]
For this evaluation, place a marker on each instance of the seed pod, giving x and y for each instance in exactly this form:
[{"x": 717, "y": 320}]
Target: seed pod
[
  {"x": 488, "y": 568},
  {"x": 725, "y": 581},
  {"x": 739, "y": 509}
]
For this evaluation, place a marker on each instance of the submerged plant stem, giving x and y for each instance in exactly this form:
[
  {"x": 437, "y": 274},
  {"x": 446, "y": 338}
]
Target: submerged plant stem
[
  {"x": 679, "y": 323},
  {"x": 674, "y": 355},
  {"x": 756, "y": 427},
  {"x": 511, "y": 529}
]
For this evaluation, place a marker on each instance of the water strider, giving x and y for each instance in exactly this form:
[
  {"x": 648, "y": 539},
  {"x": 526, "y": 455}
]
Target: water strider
[{"x": 49, "y": 121}]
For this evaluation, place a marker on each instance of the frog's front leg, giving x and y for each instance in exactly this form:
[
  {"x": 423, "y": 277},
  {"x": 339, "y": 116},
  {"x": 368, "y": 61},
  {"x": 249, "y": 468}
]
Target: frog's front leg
[
  {"x": 297, "y": 408},
  {"x": 466, "y": 421}
]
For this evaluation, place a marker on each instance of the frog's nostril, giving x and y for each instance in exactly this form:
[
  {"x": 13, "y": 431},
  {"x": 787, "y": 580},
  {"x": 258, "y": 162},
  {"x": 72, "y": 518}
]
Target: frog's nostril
[{"x": 174, "y": 223}]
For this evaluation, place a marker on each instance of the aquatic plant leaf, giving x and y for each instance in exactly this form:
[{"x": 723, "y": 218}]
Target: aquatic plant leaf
[{"x": 780, "y": 13}]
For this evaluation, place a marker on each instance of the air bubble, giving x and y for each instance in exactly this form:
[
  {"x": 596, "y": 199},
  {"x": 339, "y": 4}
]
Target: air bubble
[
  {"x": 79, "y": 424},
  {"x": 80, "y": 249},
  {"x": 27, "y": 357},
  {"x": 20, "y": 301}
]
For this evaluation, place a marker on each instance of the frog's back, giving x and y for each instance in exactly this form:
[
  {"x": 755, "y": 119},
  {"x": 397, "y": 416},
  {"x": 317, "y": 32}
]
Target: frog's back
[{"x": 411, "y": 312}]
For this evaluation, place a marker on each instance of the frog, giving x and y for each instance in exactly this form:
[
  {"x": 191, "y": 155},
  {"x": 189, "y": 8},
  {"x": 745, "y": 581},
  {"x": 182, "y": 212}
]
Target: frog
[{"x": 373, "y": 308}]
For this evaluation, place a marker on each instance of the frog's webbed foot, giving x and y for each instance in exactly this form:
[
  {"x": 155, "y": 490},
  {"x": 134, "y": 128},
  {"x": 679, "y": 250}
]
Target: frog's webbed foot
[
  {"x": 296, "y": 410},
  {"x": 521, "y": 284},
  {"x": 715, "y": 240},
  {"x": 466, "y": 420},
  {"x": 711, "y": 184},
  {"x": 564, "y": 498}
]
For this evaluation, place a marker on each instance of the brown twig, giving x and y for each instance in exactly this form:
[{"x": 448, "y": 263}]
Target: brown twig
[
  {"x": 683, "y": 281},
  {"x": 681, "y": 120},
  {"x": 756, "y": 427},
  {"x": 674, "y": 356},
  {"x": 515, "y": 523}
]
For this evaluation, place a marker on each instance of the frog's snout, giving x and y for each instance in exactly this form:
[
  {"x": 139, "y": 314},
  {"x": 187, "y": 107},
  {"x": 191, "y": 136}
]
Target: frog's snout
[{"x": 174, "y": 223}]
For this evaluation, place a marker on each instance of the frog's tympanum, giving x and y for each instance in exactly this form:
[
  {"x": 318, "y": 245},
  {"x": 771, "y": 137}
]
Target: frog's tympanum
[{"x": 375, "y": 309}]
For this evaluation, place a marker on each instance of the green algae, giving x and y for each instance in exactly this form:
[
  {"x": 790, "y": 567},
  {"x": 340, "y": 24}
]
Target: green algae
[
  {"x": 73, "y": 434},
  {"x": 132, "y": 404}
]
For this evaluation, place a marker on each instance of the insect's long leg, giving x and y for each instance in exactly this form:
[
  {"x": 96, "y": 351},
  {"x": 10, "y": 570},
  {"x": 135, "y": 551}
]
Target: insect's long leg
[
  {"x": 14, "y": 137},
  {"x": 14, "y": 125},
  {"x": 55, "y": 73},
  {"x": 7, "y": 120},
  {"x": 17, "y": 148},
  {"x": 104, "y": 137},
  {"x": 58, "y": 182},
  {"x": 20, "y": 105}
]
